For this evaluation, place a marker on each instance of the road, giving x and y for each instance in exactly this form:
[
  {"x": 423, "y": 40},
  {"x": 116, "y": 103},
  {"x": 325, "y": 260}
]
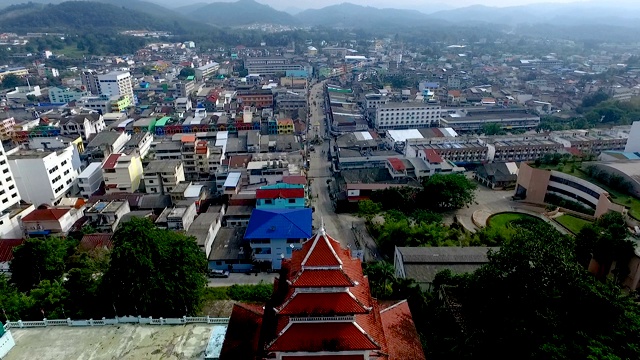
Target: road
[
  {"x": 339, "y": 226},
  {"x": 242, "y": 278}
]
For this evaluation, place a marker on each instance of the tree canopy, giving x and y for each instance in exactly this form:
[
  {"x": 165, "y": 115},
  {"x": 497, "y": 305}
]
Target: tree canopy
[
  {"x": 154, "y": 272},
  {"x": 533, "y": 300},
  {"x": 38, "y": 259}
]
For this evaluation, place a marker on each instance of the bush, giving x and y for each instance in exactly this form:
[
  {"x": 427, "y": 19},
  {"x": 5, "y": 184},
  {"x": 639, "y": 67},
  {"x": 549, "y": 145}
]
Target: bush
[
  {"x": 250, "y": 293},
  {"x": 568, "y": 204}
]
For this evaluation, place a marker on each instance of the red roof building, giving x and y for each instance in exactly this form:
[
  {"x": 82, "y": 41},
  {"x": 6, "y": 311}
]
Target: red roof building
[
  {"x": 322, "y": 309},
  {"x": 280, "y": 193}
]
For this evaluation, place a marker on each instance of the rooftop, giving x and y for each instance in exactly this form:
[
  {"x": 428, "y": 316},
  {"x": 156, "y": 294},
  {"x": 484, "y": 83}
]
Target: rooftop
[
  {"x": 124, "y": 342},
  {"x": 161, "y": 166},
  {"x": 279, "y": 224},
  {"x": 227, "y": 243}
]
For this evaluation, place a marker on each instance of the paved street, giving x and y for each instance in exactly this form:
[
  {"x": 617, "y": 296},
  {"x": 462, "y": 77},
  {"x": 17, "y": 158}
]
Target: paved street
[
  {"x": 242, "y": 278},
  {"x": 338, "y": 226}
]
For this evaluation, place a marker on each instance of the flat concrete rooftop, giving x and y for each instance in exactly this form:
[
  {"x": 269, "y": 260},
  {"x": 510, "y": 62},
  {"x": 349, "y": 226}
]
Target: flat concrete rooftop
[{"x": 124, "y": 341}]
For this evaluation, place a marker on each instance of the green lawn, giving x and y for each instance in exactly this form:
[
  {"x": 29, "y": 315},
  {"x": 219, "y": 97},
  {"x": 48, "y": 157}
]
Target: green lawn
[
  {"x": 71, "y": 52},
  {"x": 503, "y": 220},
  {"x": 574, "y": 224}
]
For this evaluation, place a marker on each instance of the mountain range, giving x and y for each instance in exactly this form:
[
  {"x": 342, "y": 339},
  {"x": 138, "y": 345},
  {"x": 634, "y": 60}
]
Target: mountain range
[{"x": 619, "y": 13}]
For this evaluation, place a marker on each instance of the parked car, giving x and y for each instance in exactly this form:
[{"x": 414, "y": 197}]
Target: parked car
[{"x": 218, "y": 273}]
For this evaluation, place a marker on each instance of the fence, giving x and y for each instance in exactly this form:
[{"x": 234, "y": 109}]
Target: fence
[{"x": 118, "y": 320}]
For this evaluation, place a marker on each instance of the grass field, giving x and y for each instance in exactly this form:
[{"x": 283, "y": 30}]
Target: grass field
[
  {"x": 71, "y": 52},
  {"x": 503, "y": 220},
  {"x": 574, "y": 224},
  {"x": 501, "y": 224}
]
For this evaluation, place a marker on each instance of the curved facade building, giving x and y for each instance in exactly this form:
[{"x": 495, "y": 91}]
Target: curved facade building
[{"x": 534, "y": 184}]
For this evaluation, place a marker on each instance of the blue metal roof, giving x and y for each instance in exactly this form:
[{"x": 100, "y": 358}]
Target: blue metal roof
[{"x": 279, "y": 224}]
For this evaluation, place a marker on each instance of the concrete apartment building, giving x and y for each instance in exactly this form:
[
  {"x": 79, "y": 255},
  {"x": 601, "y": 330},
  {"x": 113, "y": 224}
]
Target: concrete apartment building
[
  {"x": 7, "y": 128},
  {"x": 458, "y": 152},
  {"x": 117, "y": 83},
  {"x": 10, "y": 211},
  {"x": 506, "y": 150},
  {"x": 90, "y": 179},
  {"x": 270, "y": 65},
  {"x": 406, "y": 116},
  {"x": 469, "y": 119},
  {"x": 259, "y": 98},
  {"x": 85, "y": 125},
  {"x": 43, "y": 177},
  {"x": 206, "y": 70},
  {"x": 90, "y": 81},
  {"x": 61, "y": 94},
  {"x": 373, "y": 101},
  {"x": 122, "y": 173},
  {"x": 162, "y": 176},
  {"x": 592, "y": 141}
]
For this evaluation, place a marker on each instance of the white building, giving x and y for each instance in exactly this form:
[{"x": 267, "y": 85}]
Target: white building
[
  {"x": 60, "y": 94},
  {"x": 633, "y": 144},
  {"x": 206, "y": 70},
  {"x": 122, "y": 173},
  {"x": 373, "y": 101},
  {"x": 406, "y": 116},
  {"x": 85, "y": 125},
  {"x": 90, "y": 179},
  {"x": 116, "y": 83},
  {"x": 10, "y": 209},
  {"x": 21, "y": 92},
  {"x": 43, "y": 177},
  {"x": 182, "y": 104}
]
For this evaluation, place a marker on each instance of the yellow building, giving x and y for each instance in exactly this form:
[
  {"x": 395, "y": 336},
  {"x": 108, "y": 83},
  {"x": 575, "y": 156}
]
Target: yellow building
[
  {"x": 121, "y": 104},
  {"x": 285, "y": 126}
]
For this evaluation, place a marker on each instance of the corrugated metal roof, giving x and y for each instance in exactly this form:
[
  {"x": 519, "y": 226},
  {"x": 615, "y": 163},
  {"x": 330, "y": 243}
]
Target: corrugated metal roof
[
  {"x": 232, "y": 179},
  {"x": 279, "y": 224}
]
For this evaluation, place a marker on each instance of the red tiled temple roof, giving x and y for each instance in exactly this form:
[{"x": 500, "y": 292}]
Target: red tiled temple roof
[
  {"x": 322, "y": 336},
  {"x": 400, "y": 331},
  {"x": 322, "y": 304}
]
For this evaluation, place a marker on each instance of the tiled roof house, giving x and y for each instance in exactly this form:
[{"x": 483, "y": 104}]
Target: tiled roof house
[{"x": 322, "y": 309}]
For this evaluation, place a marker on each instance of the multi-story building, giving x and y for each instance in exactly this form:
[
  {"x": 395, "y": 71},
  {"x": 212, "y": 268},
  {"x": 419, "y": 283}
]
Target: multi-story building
[
  {"x": 592, "y": 141},
  {"x": 99, "y": 103},
  {"x": 290, "y": 102},
  {"x": 270, "y": 65},
  {"x": 84, "y": 125},
  {"x": 119, "y": 103},
  {"x": 507, "y": 150},
  {"x": 9, "y": 201},
  {"x": 161, "y": 176},
  {"x": 116, "y": 83},
  {"x": 140, "y": 143},
  {"x": 281, "y": 196},
  {"x": 17, "y": 71},
  {"x": 105, "y": 216},
  {"x": 285, "y": 126},
  {"x": 90, "y": 179},
  {"x": 104, "y": 144},
  {"x": 122, "y": 173},
  {"x": 206, "y": 70},
  {"x": 179, "y": 217},
  {"x": 6, "y": 128},
  {"x": 90, "y": 81},
  {"x": 534, "y": 184},
  {"x": 406, "y": 116},
  {"x": 372, "y": 101},
  {"x": 458, "y": 152},
  {"x": 475, "y": 119},
  {"x": 258, "y": 98},
  {"x": 273, "y": 234},
  {"x": 182, "y": 104},
  {"x": 51, "y": 221},
  {"x": 185, "y": 88},
  {"x": 199, "y": 162},
  {"x": 61, "y": 94},
  {"x": 43, "y": 177}
]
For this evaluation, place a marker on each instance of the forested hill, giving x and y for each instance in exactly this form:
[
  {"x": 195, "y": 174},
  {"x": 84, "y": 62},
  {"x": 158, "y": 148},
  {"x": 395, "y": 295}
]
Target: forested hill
[{"x": 85, "y": 16}]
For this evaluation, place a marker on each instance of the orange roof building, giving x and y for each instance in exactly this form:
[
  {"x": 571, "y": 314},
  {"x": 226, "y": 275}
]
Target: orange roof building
[{"x": 322, "y": 308}]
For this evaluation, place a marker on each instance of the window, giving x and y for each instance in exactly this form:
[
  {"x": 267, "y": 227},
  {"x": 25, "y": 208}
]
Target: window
[
  {"x": 292, "y": 201},
  {"x": 14, "y": 195},
  {"x": 268, "y": 201}
]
